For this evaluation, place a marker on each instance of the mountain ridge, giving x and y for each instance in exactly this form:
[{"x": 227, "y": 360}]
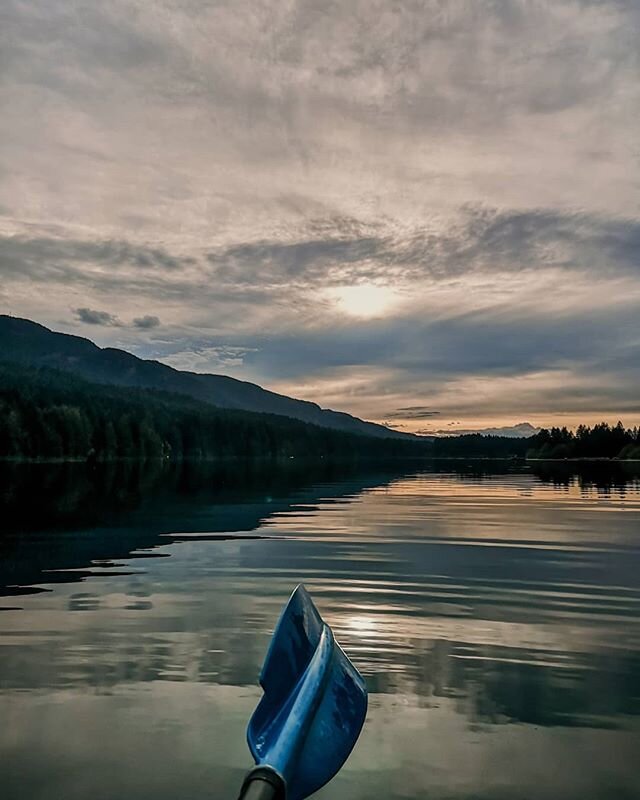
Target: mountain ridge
[{"x": 27, "y": 342}]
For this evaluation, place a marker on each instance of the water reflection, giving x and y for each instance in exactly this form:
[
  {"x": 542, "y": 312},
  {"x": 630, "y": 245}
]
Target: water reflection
[{"x": 493, "y": 611}]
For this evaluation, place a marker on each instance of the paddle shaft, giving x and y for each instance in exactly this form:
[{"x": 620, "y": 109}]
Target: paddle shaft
[
  {"x": 258, "y": 790},
  {"x": 263, "y": 783}
]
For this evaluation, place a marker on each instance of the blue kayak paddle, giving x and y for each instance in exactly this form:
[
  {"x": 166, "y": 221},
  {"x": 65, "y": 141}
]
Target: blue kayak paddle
[{"x": 312, "y": 710}]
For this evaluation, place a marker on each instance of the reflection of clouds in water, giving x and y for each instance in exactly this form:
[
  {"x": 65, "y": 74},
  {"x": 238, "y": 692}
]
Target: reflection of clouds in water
[{"x": 164, "y": 739}]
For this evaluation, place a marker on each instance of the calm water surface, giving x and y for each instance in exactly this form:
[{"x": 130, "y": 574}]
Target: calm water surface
[{"x": 493, "y": 611}]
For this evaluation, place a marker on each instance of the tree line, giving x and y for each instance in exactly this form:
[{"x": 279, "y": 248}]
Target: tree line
[
  {"x": 48, "y": 414},
  {"x": 475, "y": 445},
  {"x": 600, "y": 441}
]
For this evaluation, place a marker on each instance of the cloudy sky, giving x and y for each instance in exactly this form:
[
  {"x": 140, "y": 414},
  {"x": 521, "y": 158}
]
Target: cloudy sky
[{"x": 425, "y": 213}]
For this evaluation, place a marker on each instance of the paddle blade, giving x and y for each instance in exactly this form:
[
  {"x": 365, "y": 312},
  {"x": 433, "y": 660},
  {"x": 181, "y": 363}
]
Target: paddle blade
[{"x": 314, "y": 703}]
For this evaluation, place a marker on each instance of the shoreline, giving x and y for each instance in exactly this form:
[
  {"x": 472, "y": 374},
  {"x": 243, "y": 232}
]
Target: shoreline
[{"x": 414, "y": 458}]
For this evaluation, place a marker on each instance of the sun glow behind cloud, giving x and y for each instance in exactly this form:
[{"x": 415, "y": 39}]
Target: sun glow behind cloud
[{"x": 364, "y": 300}]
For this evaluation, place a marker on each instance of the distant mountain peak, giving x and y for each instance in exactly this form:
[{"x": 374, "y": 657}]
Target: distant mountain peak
[{"x": 520, "y": 430}]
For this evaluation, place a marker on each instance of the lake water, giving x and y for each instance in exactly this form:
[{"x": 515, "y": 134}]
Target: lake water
[{"x": 494, "y": 612}]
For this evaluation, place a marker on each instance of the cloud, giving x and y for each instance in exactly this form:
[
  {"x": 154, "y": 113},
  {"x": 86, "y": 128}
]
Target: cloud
[
  {"x": 146, "y": 322},
  {"x": 414, "y": 412},
  {"x": 224, "y": 118},
  {"x": 205, "y": 359},
  {"x": 24, "y": 255},
  {"x": 90, "y": 316},
  {"x": 481, "y": 240},
  {"x": 542, "y": 237}
]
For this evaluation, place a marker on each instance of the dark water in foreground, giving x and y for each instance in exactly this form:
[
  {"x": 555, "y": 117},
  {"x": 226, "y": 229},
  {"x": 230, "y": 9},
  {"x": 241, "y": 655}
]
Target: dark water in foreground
[{"x": 495, "y": 617}]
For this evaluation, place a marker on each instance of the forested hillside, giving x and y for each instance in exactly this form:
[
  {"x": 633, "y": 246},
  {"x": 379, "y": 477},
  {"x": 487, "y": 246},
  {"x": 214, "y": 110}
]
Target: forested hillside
[
  {"x": 45, "y": 413},
  {"x": 29, "y": 344}
]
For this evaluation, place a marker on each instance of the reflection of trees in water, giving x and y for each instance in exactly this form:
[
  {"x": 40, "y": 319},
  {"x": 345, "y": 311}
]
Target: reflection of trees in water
[
  {"x": 52, "y": 496},
  {"x": 605, "y": 477},
  {"x": 75, "y": 514},
  {"x": 66, "y": 494}
]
